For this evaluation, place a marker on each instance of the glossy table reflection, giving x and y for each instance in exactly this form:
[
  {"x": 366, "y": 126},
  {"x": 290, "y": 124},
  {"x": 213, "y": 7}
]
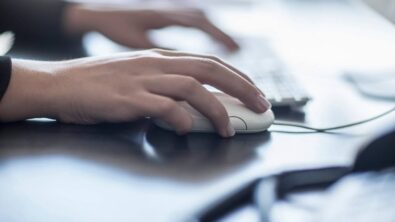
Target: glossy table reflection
[
  {"x": 138, "y": 172},
  {"x": 120, "y": 172}
]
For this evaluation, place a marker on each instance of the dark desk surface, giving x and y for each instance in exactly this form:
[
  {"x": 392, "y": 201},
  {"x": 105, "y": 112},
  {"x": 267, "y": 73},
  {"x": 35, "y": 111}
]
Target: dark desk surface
[{"x": 138, "y": 172}]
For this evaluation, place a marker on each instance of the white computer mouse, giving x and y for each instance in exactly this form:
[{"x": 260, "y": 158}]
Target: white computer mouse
[{"x": 242, "y": 118}]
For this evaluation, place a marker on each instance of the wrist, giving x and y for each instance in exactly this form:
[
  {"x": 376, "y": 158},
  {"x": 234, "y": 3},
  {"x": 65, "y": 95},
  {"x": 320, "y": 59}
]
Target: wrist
[{"x": 29, "y": 94}]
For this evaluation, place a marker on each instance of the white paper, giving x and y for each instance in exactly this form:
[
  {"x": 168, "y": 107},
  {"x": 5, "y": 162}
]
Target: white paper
[{"x": 6, "y": 42}]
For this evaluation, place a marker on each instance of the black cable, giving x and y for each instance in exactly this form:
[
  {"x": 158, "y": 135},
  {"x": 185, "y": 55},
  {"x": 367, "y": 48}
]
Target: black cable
[{"x": 323, "y": 130}]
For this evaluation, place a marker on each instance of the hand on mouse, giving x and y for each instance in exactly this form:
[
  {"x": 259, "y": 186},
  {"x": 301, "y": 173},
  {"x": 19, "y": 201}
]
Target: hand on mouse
[
  {"x": 129, "y": 27},
  {"x": 127, "y": 86}
]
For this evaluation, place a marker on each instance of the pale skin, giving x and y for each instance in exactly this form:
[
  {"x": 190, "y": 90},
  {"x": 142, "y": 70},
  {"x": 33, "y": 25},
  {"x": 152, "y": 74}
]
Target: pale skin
[
  {"x": 129, "y": 26},
  {"x": 124, "y": 87}
]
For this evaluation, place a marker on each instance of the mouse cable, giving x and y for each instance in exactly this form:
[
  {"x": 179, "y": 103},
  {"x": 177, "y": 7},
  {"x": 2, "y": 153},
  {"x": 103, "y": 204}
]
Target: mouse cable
[{"x": 322, "y": 130}]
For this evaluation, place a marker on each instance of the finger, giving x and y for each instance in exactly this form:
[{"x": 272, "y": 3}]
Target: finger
[
  {"x": 185, "y": 54},
  {"x": 211, "y": 29},
  {"x": 190, "y": 90},
  {"x": 197, "y": 19},
  {"x": 131, "y": 38},
  {"x": 180, "y": 54},
  {"x": 142, "y": 41},
  {"x": 213, "y": 73},
  {"x": 168, "y": 110}
]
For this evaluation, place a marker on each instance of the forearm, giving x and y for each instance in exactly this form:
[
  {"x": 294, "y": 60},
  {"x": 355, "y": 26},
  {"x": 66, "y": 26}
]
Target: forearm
[{"x": 35, "y": 20}]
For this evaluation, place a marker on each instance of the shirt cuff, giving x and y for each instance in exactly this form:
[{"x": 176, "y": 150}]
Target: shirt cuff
[{"x": 5, "y": 74}]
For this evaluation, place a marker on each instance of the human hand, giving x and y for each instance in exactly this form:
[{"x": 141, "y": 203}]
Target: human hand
[
  {"x": 125, "y": 87},
  {"x": 129, "y": 27}
]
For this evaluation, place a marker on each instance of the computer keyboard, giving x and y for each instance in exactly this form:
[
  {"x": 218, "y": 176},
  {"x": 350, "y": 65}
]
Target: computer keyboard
[
  {"x": 256, "y": 58},
  {"x": 268, "y": 72},
  {"x": 281, "y": 88}
]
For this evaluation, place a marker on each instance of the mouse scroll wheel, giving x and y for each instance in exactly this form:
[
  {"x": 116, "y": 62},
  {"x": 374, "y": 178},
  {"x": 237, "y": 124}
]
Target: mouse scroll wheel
[{"x": 238, "y": 123}]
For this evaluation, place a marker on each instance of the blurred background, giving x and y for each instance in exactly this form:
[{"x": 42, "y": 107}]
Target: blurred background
[{"x": 137, "y": 172}]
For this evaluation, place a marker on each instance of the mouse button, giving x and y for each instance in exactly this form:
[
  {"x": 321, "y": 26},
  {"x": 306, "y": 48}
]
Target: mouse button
[
  {"x": 264, "y": 119},
  {"x": 226, "y": 99},
  {"x": 238, "y": 123}
]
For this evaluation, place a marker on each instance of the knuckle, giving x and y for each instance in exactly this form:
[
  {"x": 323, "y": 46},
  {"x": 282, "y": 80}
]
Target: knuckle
[
  {"x": 252, "y": 90},
  {"x": 144, "y": 60},
  {"x": 189, "y": 85},
  {"x": 167, "y": 106},
  {"x": 214, "y": 58},
  {"x": 152, "y": 14},
  {"x": 219, "y": 113},
  {"x": 157, "y": 51},
  {"x": 150, "y": 60},
  {"x": 196, "y": 11},
  {"x": 246, "y": 90},
  {"x": 202, "y": 19},
  {"x": 251, "y": 95},
  {"x": 201, "y": 16},
  {"x": 208, "y": 65}
]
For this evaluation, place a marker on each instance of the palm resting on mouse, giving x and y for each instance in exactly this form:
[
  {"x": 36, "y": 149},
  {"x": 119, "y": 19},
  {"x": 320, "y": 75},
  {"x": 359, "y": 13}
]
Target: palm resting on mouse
[
  {"x": 242, "y": 119},
  {"x": 127, "y": 86}
]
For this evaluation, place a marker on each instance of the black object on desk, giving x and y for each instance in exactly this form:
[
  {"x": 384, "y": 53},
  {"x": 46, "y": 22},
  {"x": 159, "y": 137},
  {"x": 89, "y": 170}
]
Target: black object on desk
[{"x": 378, "y": 154}]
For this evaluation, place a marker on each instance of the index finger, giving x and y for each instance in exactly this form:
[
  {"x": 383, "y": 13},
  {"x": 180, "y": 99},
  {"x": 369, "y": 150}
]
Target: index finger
[
  {"x": 187, "y": 54},
  {"x": 197, "y": 19},
  {"x": 213, "y": 73},
  {"x": 208, "y": 27}
]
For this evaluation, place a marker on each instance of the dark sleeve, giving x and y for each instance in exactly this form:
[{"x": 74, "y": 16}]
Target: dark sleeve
[
  {"x": 5, "y": 74},
  {"x": 34, "y": 20}
]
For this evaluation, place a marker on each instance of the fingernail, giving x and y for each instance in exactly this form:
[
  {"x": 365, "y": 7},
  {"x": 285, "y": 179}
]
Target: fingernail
[
  {"x": 262, "y": 93},
  {"x": 263, "y": 104},
  {"x": 230, "y": 130}
]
